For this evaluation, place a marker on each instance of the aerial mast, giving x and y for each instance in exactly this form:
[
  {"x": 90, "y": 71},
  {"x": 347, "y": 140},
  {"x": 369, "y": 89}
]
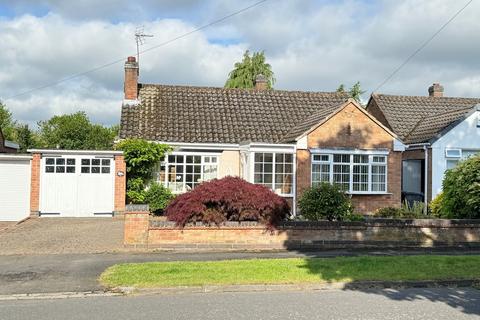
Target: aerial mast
[{"x": 140, "y": 39}]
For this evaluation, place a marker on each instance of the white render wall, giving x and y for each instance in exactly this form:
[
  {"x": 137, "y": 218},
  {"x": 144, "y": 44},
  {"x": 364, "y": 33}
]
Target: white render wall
[{"x": 465, "y": 136}]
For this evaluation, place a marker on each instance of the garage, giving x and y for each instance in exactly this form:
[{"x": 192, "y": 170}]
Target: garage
[
  {"x": 80, "y": 183},
  {"x": 14, "y": 187}
]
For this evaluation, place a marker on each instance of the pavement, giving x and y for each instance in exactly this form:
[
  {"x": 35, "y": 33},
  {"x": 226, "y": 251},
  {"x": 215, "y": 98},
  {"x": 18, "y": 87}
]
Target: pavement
[
  {"x": 62, "y": 236},
  {"x": 438, "y": 304},
  {"x": 20, "y": 274}
]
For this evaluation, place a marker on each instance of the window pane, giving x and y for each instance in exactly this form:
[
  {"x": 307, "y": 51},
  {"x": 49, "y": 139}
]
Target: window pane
[
  {"x": 95, "y": 169},
  {"x": 258, "y": 178},
  {"x": 49, "y": 169},
  {"x": 288, "y": 158},
  {"x": 268, "y": 157},
  {"x": 279, "y": 157},
  {"x": 267, "y": 178},
  {"x": 258, "y": 167},
  {"x": 197, "y": 169},
  {"x": 171, "y": 159},
  {"x": 105, "y": 169},
  {"x": 267, "y": 168},
  {"x": 379, "y": 178},
  {"x": 341, "y": 158},
  {"x": 258, "y": 157},
  {"x": 71, "y": 169},
  {"x": 60, "y": 161},
  {"x": 60, "y": 169},
  {"x": 71, "y": 162},
  {"x": 95, "y": 162},
  {"x": 105, "y": 162},
  {"x": 50, "y": 161},
  {"x": 288, "y": 168},
  {"x": 341, "y": 176},
  {"x": 378, "y": 159},
  {"x": 360, "y": 178},
  {"x": 360, "y": 158},
  {"x": 85, "y": 170},
  {"x": 85, "y": 162}
]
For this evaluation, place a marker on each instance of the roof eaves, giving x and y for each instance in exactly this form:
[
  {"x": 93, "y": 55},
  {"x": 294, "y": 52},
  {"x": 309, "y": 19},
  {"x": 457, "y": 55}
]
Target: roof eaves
[{"x": 452, "y": 125}]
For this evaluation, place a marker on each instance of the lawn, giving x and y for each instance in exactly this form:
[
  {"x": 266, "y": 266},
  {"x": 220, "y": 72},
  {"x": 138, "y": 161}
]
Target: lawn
[{"x": 290, "y": 271}]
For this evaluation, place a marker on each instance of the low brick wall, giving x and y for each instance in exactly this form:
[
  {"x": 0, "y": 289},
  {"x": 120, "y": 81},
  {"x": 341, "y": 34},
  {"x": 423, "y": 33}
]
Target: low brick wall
[{"x": 141, "y": 231}]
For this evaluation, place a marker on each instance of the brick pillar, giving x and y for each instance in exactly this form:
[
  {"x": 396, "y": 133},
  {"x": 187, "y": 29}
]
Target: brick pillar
[
  {"x": 137, "y": 219},
  {"x": 303, "y": 171},
  {"x": 35, "y": 185},
  {"x": 120, "y": 184}
]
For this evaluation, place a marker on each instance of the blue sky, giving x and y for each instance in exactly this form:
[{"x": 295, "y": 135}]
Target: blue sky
[{"x": 311, "y": 45}]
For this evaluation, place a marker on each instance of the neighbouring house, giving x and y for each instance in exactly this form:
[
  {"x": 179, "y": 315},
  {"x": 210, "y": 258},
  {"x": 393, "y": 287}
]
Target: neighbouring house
[
  {"x": 284, "y": 140},
  {"x": 438, "y": 132},
  {"x": 7, "y": 146}
]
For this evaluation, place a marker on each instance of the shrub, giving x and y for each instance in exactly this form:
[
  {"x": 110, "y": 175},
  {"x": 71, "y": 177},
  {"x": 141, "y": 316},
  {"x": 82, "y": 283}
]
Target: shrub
[
  {"x": 228, "y": 199},
  {"x": 325, "y": 201},
  {"x": 389, "y": 212},
  {"x": 436, "y": 206},
  {"x": 157, "y": 197},
  {"x": 136, "y": 190},
  {"x": 406, "y": 211},
  {"x": 461, "y": 190}
]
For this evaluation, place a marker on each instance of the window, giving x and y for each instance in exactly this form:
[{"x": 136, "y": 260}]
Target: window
[
  {"x": 184, "y": 171},
  {"x": 59, "y": 165},
  {"x": 95, "y": 166},
  {"x": 354, "y": 173},
  {"x": 455, "y": 155},
  {"x": 274, "y": 170}
]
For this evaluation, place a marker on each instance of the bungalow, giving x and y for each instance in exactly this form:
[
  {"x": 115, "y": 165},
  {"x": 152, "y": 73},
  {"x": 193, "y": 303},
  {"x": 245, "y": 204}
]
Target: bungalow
[
  {"x": 438, "y": 131},
  {"x": 7, "y": 146},
  {"x": 284, "y": 140}
]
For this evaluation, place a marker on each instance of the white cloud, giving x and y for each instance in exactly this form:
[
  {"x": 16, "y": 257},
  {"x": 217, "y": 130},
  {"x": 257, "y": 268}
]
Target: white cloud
[{"x": 311, "y": 46}]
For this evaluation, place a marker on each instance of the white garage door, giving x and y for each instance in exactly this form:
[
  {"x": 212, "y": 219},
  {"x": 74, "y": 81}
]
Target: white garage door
[
  {"x": 14, "y": 188},
  {"x": 76, "y": 186}
]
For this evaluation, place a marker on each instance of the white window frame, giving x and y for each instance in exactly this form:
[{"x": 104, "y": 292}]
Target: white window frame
[
  {"x": 370, "y": 163},
  {"x": 274, "y": 153},
  {"x": 202, "y": 163}
]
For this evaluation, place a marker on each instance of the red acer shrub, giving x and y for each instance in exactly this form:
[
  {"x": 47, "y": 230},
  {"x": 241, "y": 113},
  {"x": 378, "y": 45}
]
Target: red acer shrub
[{"x": 228, "y": 199}]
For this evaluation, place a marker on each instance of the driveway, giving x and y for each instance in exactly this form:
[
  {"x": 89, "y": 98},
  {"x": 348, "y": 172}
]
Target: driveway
[{"x": 62, "y": 236}]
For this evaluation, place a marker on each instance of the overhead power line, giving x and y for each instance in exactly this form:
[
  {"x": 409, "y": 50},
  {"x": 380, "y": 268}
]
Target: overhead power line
[
  {"x": 83, "y": 73},
  {"x": 424, "y": 44}
]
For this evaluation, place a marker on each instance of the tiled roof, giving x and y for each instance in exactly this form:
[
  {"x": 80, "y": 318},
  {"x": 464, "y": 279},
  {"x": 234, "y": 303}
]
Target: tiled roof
[
  {"x": 417, "y": 119},
  {"x": 218, "y": 115}
]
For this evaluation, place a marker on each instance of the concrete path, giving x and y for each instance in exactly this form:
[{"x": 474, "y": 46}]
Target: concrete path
[
  {"x": 438, "y": 304},
  {"x": 63, "y": 236},
  {"x": 79, "y": 272}
]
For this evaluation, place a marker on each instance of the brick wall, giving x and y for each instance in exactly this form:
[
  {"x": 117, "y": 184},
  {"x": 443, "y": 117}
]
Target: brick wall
[
  {"x": 35, "y": 184},
  {"x": 120, "y": 184},
  {"x": 352, "y": 128},
  {"x": 376, "y": 233}
]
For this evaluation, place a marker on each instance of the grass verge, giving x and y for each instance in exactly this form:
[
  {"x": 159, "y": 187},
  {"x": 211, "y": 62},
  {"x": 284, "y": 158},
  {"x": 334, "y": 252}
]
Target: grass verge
[{"x": 291, "y": 271}]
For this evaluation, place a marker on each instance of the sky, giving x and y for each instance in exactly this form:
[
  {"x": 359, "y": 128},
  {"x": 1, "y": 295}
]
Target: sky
[{"x": 312, "y": 45}]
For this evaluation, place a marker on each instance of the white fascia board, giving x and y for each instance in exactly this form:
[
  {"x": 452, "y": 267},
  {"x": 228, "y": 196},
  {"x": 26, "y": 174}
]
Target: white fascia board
[
  {"x": 350, "y": 151},
  {"x": 302, "y": 143},
  {"x": 9, "y": 157},
  {"x": 76, "y": 152},
  {"x": 269, "y": 147}
]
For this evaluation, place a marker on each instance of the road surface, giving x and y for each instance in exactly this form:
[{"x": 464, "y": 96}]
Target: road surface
[{"x": 435, "y": 304}]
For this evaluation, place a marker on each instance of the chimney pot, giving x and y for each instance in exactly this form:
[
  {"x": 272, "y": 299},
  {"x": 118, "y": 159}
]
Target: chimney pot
[
  {"x": 130, "y": 87},
  {"x": 435, "y": 90},
  {"x": 261, "y": 82}
]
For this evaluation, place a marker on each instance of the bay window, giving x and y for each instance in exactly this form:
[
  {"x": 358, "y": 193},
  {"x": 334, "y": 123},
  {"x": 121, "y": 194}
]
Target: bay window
[
  {"x": 183, "y": 172},
  {"x": 274, "y": 170},
  {"x": 354, "y": 173}
]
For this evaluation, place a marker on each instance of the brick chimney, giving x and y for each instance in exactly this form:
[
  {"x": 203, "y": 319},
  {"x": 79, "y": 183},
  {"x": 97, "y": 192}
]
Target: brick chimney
[
  {"x": 435, "y": 90},
  {"x": 261, "y": 82},
  {"x": 130, "y": 86}
]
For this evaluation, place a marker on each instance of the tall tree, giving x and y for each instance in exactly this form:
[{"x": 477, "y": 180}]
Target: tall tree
[
  {"x": 75, "y": 131},
  {"x": 7, "y": 124},
  {"x": 244, "y": 73},
  {"x": 26, "y": 138},
  {"x": 355, "y": 91}
]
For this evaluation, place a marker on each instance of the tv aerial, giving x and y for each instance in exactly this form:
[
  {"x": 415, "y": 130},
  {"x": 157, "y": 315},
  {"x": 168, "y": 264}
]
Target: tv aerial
[{"x": 140, "y": 39}]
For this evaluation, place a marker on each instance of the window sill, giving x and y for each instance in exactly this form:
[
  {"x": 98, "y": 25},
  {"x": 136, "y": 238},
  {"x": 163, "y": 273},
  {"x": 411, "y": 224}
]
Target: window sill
[{"x": 369, "y": 193}]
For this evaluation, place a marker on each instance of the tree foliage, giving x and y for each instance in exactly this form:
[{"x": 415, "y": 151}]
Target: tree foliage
[
  {"x": 141, "y": 157},
  {"x": 244, "y": 73},
  {"x": 461, "y": 190},
  {"x": 7, "y": 124},
  {"x": 75, "y": 131},
  {"x": 228, "y": 199},
  {"x": 355, "y": 92}
]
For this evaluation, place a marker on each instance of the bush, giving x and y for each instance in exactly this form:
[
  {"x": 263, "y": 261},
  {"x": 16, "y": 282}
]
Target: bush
[
  {"x": 157, "y": 197},
  {"x": 228, "y": 199},
  {"x": 461, "y": 190},
  {"x": 436, "y": 206},
  {"x": 325, "y": 201},
  {"x": 136, "y": 190},
  {"x": 414, "y": 211}
]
